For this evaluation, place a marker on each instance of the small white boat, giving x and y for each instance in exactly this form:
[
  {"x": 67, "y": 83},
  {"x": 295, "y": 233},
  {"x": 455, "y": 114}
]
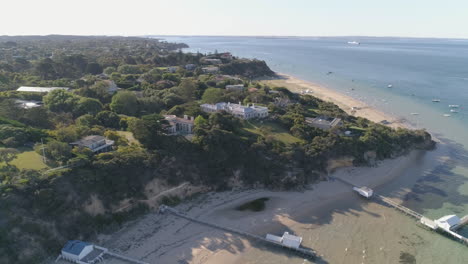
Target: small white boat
[
  {"x": 353, "y": 43},
  {"x": 453, "y": 111},
  {"x": 414, "y": 113},
  {"x": 436, "y": 100},
  {"x": 454, "y": 106},
  {"x": 390, "y": 86},
  {"x": 447, "y": 115}
]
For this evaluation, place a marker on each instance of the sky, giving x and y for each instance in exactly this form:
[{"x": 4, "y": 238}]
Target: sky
[{"x": 402, "y": 18}]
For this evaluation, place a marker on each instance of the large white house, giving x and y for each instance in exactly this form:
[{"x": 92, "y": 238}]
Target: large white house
[
  {"x": 30, "y": 89},
  {"x": 237, "y": 110},
  {"x": 179, "y": 126},
  {"x": 95, "y": 143},
  {"x": 323, "y": 122}
]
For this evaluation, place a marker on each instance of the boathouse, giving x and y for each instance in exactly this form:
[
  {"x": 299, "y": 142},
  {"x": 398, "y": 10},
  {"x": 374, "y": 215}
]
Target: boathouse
[{"x": 75, "y": 250}]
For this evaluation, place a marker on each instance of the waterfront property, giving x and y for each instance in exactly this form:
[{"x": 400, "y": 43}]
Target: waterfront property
[
  {"x": 179, "y": 126},
  {"x": 287, "y": 240},
  {"x": 95, "y": 143},
  {"x": 324, "y": 122},
  {"x": 235, "y": 87},
  {"x": 448, "y": 222},
  {"x": 76, "y": 251},
  {"x": 237, "y": 110},
  {"x": 364, "y": 191},
  {"x": 30, "y": 89}
]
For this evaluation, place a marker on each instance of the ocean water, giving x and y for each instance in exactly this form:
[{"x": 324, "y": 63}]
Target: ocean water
[{"x": 420, "y": 70}]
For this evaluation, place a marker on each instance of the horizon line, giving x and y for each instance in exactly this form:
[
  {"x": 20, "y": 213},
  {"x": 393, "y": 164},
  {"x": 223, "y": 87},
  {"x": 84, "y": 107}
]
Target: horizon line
[{"x": 253, "y": 36}]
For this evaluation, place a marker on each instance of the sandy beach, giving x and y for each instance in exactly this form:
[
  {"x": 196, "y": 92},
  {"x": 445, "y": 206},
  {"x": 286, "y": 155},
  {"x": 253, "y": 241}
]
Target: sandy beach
[
  {"x": 347, "y": 103},
  {"x": 320, "y": 210},
  {"x": 166, "y": 238}
]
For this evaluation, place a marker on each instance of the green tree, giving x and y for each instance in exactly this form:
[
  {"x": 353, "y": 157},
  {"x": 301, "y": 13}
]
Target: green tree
[
  {"x": 93, "y": 68},
  {"x": 61, "y": 101},
  {"x": 86, "y": 120},
  {"x": 110, "y": 70},
  {"x": 148, "y": 130},
  {"x": 58, "y": 151},
  {"x": 108, "y": 119},
  {"x": 212, "y": 95},
  {"x": 124, "y": 102},
  {"x": 45, "y": 69},
  {"x": 186, "y": 90},
  {"x": 8, "y": 154},
  {"x": 88, "y": 106},
  {"x": 37, "y": 116},
  {"x": 67, "y": 134}
]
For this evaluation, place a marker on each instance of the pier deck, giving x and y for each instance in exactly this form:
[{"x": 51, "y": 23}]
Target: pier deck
[
  {"x": 303, "y": 251},
  {"x": 422, "y": 219}
]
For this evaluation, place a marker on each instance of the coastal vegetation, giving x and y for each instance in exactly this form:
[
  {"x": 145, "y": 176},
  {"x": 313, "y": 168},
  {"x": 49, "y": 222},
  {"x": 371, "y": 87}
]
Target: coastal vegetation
[{"x": 40, "y": 208}]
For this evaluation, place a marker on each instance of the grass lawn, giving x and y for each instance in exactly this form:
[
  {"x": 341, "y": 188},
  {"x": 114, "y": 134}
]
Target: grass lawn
[
  {"x": 28, "y": 159},
  {"x": 277, "y": 131}
]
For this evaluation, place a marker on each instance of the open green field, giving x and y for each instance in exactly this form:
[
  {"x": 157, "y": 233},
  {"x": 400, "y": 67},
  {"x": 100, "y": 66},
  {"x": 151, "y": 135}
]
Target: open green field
[
  {"x": 28, "y": 159},
  {"x": 273, "y": 129}
]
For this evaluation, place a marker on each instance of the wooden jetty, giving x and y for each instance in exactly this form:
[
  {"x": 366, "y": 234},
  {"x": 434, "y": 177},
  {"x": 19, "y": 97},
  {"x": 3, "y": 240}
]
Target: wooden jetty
[
  {"x": 302, "y": 251},
  {"x": 421, "y": 218}
]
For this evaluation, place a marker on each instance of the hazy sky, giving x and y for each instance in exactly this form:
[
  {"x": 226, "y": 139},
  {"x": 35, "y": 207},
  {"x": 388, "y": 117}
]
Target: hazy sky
[{"x": 414, "y": 18}]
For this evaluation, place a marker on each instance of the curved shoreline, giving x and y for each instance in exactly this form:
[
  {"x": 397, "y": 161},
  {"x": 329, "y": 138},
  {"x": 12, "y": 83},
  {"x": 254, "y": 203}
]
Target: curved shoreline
[
  {"x": 349, "y": 104},
  {"x": 291, "y": 211}
]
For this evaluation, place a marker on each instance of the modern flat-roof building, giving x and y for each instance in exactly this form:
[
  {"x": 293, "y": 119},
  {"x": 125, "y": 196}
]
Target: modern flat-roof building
[
  {"x": 323, "y": 122},
  {"x": 96, "y": 144},
  {"x": 179, "y": 126},
  {"x": 30, "y": 89},
  {"x": 237, "y": 110}
]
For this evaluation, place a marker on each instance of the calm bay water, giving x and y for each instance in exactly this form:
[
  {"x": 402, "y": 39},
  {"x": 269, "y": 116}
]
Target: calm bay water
[{"x": 419, "y": 70}]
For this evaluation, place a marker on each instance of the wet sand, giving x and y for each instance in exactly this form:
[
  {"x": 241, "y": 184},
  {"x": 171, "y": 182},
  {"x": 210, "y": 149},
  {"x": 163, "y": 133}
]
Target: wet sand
[
  {"x": 322, "y": 215},
  {"x": 333, "y": 220}
]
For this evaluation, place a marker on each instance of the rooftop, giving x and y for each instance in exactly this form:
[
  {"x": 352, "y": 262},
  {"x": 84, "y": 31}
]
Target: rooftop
[
  {"x": 75, "y": 246},
  {"x": 40, "y": 89},
  {"x": 86, "y": 141}
]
